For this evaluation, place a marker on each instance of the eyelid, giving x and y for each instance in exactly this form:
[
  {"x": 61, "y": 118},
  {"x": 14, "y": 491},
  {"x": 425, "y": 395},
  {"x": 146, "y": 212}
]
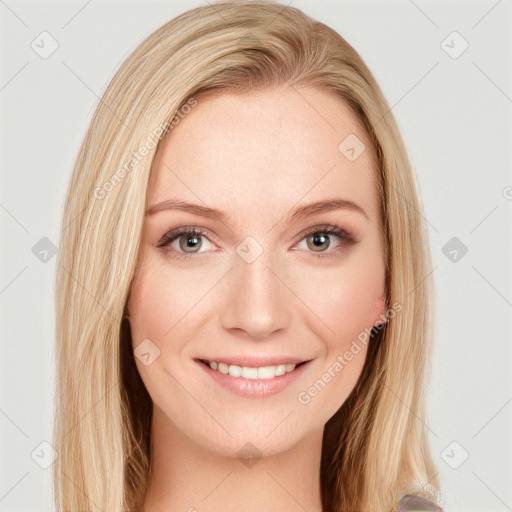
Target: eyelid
[
  {"x": 337, "y": 230},
  {"x": 174, "y": 233}
]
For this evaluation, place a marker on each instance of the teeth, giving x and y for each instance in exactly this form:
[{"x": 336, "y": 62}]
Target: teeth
[
  {"x": 249, "y": 372},
  {"x": 281, "y": 369},
  {"x": 234, "y": 370}
]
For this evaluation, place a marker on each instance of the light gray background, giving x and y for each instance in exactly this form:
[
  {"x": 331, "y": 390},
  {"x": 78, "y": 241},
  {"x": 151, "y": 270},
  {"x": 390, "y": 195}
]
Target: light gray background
[{"x": 454, "y": 114}]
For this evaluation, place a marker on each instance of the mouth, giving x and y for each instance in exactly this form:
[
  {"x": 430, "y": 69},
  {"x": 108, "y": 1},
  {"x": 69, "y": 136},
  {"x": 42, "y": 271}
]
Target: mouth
[
  {"x": 252, "y": 372},
  {"x": 253, "y": 381}
]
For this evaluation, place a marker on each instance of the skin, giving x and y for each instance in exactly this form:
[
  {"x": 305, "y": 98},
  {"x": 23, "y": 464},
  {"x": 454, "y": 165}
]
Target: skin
[{"x": 256, "y": 157}]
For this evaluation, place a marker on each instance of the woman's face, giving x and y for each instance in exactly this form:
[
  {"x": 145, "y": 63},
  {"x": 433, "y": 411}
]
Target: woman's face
[{"x": 286, "y": 266}]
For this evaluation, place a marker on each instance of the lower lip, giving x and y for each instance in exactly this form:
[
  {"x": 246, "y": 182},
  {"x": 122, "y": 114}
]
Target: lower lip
[{"x": 254, "y": 388}]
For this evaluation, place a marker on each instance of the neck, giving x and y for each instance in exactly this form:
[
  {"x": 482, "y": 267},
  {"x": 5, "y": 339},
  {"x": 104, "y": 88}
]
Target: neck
[{"x": 191, "y": 478}]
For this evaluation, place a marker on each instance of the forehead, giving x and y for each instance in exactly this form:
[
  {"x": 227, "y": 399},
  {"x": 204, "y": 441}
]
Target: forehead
[{"x": 272, "y": 148}]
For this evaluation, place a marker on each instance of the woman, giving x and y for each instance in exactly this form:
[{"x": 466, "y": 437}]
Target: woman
[{"x": 243, "y": 314}]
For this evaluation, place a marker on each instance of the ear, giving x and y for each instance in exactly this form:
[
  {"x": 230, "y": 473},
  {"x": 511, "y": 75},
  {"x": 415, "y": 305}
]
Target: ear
[{"x": 379, "y": 309}]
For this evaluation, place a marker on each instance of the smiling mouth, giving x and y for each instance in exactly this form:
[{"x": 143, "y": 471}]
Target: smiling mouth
[{"x": 251, "y": 372}]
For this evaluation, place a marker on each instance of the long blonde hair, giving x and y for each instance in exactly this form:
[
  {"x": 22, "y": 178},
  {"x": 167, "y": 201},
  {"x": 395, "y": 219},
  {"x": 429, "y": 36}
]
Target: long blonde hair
[{"x": 375, "y": 447}]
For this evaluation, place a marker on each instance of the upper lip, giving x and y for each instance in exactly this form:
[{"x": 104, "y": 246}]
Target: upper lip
[{"x": 254, "y": 360}]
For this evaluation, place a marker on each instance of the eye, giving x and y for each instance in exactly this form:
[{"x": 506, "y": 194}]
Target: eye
[
  {"x": 321, "y": 238},
  {"x": 184, "y": 241}
]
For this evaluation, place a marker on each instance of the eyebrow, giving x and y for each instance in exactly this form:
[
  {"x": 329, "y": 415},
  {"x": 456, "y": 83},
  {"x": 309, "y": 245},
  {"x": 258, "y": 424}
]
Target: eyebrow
[{"x": 298, "y": 213}]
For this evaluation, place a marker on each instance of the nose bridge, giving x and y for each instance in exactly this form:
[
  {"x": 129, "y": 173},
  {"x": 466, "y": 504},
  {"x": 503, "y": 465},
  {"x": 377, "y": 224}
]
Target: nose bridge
[{"x": 257, "y": 301}]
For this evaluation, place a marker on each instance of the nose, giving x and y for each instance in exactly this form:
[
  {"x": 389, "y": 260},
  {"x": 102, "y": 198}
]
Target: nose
[{"x": 257, "y": 302}]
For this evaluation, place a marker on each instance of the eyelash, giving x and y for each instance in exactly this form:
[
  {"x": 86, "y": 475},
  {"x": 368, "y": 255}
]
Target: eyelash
[{"x": 326, "y": 229}]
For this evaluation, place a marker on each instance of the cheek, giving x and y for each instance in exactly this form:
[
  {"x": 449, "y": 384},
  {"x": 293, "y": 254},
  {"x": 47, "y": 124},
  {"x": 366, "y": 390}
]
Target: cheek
[
  {"x": 161, "y": 309},
  {"x": 149, "y": 302},
  {"x": 345, "y": 299},
  {"x": 161, "y": 301}
]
